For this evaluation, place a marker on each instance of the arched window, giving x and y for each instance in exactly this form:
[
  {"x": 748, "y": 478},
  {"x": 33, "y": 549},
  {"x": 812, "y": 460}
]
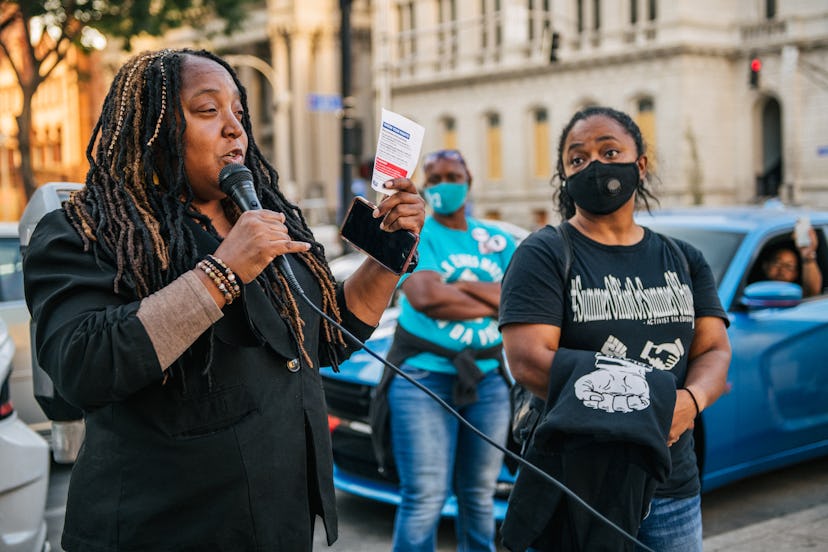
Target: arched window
[
  {"x": 541, "y": 165},
  {"x": 770, "y": 178},
  {"x": 494, "y": 147}
]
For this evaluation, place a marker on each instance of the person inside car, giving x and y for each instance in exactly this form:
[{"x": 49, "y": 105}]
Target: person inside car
[{"x": 783, "y": 263}]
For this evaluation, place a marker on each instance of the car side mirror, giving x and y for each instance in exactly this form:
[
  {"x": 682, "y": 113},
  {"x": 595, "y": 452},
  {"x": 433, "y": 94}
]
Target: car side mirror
[{"x": 771, "y": 294}]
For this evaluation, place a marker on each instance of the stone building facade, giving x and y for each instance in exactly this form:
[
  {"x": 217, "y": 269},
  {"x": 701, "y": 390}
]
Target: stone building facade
[{"x": 499, "y": 79}]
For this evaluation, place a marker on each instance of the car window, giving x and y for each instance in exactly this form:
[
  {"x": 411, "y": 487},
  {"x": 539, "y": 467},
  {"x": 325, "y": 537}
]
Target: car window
[
  {"x": 11, "y": 270},
  {"x": 717, "y": 246}
]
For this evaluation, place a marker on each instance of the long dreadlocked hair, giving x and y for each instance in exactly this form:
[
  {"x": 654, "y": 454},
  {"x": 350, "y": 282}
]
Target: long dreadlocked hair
[{"x": 137, "y": 195}]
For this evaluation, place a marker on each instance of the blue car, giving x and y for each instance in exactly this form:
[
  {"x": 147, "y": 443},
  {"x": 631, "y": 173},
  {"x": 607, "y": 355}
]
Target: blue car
[{"x": 776, "y": 410}]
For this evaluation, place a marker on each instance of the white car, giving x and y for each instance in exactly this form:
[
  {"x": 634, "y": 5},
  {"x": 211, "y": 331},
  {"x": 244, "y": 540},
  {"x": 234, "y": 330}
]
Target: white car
[
  {"x": 24, "y": 469},
  {"x": 14, "y": 313}
]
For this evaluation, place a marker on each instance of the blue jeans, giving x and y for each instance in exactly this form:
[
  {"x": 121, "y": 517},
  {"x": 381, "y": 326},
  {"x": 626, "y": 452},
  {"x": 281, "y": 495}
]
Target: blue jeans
[
  {"x": 673, "y": 525},
  {"x": 435, "y": 454}
]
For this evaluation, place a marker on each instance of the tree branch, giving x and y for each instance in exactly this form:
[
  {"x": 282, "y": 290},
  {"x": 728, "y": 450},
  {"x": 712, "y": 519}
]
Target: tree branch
[
  {"x": 13, "y": 15},
  {"x": 18, "y": 74},
  {"x": 65, "y": 40}
]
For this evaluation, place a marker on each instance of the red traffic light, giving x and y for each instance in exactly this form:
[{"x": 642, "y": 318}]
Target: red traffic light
[{"x": 756, "y": 65}]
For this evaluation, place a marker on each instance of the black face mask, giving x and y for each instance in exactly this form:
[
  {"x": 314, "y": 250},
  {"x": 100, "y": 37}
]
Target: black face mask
[{"x": 602, "y": 188}]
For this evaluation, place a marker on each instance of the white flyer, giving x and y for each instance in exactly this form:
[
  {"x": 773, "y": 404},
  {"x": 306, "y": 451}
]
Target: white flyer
[{"x": 398, "y": 149}]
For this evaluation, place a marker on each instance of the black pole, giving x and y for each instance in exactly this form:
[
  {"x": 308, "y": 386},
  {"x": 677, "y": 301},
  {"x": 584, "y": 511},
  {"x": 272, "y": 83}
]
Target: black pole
[{"x": 348, "y": 146}]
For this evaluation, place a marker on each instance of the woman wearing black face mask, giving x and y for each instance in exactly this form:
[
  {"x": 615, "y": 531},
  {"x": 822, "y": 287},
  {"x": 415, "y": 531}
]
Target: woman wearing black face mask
[{"x": 621, "y": 332}]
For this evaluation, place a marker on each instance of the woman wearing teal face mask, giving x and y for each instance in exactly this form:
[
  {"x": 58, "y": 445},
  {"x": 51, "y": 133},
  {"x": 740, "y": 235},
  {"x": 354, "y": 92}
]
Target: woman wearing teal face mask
[
  {"x": 447, "y": 186},
  {"x": 447, "y": 339}
]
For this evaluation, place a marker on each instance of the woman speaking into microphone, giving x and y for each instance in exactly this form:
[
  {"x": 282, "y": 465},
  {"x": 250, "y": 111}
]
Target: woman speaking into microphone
[{"x": 161, "y": 313}]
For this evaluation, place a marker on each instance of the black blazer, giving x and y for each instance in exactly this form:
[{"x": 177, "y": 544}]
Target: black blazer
[{"x": 234, "y": 458}]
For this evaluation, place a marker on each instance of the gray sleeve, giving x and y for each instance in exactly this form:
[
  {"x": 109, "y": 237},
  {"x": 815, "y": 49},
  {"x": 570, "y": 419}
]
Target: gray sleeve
[{"x": 174, "y": 317}]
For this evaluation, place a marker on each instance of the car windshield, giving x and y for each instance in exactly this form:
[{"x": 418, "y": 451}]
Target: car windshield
[
  {"x": 718, "y": 246},
  {"x": 11, "y": 270}
]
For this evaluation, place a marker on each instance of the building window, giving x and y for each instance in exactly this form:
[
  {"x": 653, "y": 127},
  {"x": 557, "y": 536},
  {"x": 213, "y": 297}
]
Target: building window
[
  {"x": 540, "y": 140},
  {"x": 449, "y": 133},
  {"x": 645, "y": 118},
  {"x": 405, "y": 17},
  {"x": 579, "y": 8},
  {"x": 493, "y": 147},
  {"x": 447, "y": 32},
  {"x": 447, "y": 10},
  {"x": 770, "y": 9},
  {"x": 498, "y": 25},
  {"x": 37, "y": 150},
  {"x": 57, "y": 146},
  {"x": 484, "y": 37},
  {"x": 540, "y": 218},
  {"x": 492, "y": 26},
  {"x": 540, "y": 25},
  {"x": 652, "y": 10},
  {"x": 596, "y": 14},
  {"x": 633, "y": 12}
]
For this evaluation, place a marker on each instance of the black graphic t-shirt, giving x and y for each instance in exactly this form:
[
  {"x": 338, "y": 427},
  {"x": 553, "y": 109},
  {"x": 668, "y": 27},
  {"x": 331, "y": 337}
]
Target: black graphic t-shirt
[{"x": 636, "y": 302}]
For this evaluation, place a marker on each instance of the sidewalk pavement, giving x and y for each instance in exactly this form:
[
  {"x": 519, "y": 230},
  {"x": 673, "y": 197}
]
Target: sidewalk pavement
[{"x": 801, "y": 531}]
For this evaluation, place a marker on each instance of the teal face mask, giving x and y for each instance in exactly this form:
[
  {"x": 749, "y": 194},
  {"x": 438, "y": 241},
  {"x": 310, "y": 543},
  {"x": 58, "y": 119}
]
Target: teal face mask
[{"x": 447, "y": 197}]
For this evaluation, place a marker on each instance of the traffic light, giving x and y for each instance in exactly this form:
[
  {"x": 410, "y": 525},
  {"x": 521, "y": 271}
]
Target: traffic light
[
  {"x": 755, "y": 68},
  {"x": 553, "y": 47}
]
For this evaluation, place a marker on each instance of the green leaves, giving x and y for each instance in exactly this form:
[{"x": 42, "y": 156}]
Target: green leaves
[{"x": 126, "y": 18}]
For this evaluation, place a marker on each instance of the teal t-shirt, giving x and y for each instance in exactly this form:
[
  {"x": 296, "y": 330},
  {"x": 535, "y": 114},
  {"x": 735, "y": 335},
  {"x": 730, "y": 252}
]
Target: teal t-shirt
[{"x": 478, "y": 254}]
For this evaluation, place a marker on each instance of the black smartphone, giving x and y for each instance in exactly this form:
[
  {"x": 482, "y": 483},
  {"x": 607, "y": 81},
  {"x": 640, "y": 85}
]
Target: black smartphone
[{"x": 393, "y": 250}]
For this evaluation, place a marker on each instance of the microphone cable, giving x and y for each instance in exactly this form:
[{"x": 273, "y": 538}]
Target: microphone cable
[
  {"x": 236, "y": 181},
  {"x": 287, "y": 271}
]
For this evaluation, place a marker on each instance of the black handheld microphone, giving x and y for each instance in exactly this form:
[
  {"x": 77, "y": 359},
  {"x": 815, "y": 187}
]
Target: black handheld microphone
[{"x": 236, "y": 181}]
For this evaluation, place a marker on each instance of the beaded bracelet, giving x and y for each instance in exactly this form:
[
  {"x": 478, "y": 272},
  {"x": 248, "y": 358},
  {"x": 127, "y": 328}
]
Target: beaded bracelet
[
  {"x": 695, "y": 402},
  {"x": 229, "y": 275},
  {"x": 217, "y": 279}
]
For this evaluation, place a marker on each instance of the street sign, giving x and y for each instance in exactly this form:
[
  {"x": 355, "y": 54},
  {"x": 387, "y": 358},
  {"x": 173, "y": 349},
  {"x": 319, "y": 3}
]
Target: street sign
[{"x": 324, "y": 102}]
